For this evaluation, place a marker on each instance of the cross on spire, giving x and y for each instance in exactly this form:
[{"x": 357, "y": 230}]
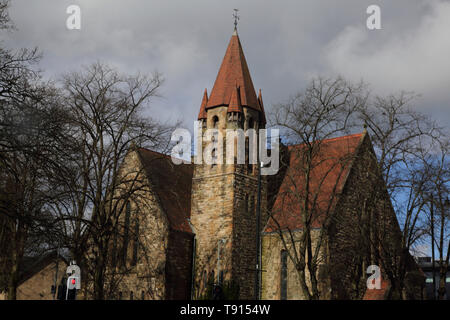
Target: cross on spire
[{"x": 236, "y": 18}]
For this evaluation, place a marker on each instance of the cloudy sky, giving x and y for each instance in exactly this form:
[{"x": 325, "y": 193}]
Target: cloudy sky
[{"x": 286, "y": 43}]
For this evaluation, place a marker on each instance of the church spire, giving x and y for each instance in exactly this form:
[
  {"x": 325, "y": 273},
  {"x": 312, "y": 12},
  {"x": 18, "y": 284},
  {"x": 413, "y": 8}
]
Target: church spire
[
  {"x": 233, "y": 72},
  {"x": 202, "y": 113},
  {"x": 261, "y": 105}
]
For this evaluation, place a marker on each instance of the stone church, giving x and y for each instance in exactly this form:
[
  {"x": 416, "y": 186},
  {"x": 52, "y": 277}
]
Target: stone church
[{"x": 198, "y": 223}]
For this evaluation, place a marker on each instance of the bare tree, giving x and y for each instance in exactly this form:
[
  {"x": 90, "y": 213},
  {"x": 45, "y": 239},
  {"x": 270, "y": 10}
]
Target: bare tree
[
  {"x": 403, "y": 140},
  {"x": 106, "y": 119},
  {"x": 324, "y": 111},
  {"x": 28, "y": 127},
  {"x": 436, "y": 193}
]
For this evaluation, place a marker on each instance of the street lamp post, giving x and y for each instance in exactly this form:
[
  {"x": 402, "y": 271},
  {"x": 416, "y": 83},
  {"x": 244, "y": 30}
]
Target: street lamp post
[{"x": 258, "y": 235}]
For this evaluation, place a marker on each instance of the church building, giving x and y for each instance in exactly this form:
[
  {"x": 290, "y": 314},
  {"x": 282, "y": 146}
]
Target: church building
[{"x": 200, "y": 226}]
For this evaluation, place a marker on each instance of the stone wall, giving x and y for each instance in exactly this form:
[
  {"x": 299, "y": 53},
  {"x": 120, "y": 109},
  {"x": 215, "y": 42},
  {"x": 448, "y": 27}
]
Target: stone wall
[
  {"x": 179, "y": 266},
  {"x": 147, "y": 278},
  {"x": 220, "y": 212},
  {"x": 38, "y": 287},
  {"x": 272, "y": 246}
]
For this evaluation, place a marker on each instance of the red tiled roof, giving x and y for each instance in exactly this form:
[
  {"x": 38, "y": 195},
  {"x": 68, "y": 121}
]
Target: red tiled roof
[
  {"x": 330, "y": 167},
  {"x": 233, "y": 72},
  {"x": 172, "y": 184},
  {"x": 261, "y": 106},
  {"x": 235, "y": 101},
  {"x": 378, "y": 294},
  {"x": 202, "y": 113}
]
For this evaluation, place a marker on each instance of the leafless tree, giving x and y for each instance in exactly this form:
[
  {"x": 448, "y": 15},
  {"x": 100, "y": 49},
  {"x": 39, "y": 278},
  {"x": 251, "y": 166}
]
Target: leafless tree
[
  {"x": 106, "y": 120},
  {"x": 28, "y": 127},
  {"x": 403, "y": 140},
  {"x": 324, "y": 111},
  {"x": 400, "y": 138},
  {"x": 436, "y": 195}
]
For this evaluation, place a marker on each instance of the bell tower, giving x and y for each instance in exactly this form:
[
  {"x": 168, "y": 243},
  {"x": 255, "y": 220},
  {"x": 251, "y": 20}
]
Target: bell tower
[{"x": 224, "y": 195}]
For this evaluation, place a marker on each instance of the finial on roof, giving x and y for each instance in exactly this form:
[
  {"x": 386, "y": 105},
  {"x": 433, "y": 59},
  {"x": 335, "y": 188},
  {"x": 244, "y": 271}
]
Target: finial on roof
[{"x": 236, "y": 18}]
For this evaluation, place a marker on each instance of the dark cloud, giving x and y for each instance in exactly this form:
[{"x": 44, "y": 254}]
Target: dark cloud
[{"x": 285, "y": 42}]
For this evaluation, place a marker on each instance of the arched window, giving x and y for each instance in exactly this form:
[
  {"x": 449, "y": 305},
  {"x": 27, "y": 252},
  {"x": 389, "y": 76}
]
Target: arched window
[
  {"x": 135, "y": 241},
  {"x": 283, "y": 275},
  {"x": 251, "y": 204},
  {"x": 246, "y": 203},
  {"x": 215, "y": 122},
  {"x": 142, "y": 295},
  {"x": 131, "y": 295},
  {"x": 126, "y": 232},
  {"x": 205, "y": 279},
  {"x": 251, "y": 123}
]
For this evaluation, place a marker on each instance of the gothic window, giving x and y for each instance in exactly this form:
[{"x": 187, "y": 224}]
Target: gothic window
[
  {"x": 135, "y": 241},
  {"x": 114, "y": 251},
  {"x": 247, "y": 154},
  {"x": 131, "y": 295},
  {"x": 283, "y": 275},
  {"x": 246, "y": 202},
  {"x": 126, "y": 231},
  {"x": 252, "y": 204},
  {"x": 205, "y": 279},
  {"x": 142, "y": 295}
]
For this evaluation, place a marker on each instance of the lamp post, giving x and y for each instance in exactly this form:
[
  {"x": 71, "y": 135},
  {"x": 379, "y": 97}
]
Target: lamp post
[{"x": 258, "y": 235}]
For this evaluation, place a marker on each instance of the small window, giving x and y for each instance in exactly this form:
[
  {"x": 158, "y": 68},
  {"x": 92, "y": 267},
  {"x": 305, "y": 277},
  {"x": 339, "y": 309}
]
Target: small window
[
  {"x": 131, "y": 295},
  {"x": 142, "y": 295},
  {"x": 120, "y": 295},
  {"x": 215, "y": 122},
  {"x": 251, "y": 123}
]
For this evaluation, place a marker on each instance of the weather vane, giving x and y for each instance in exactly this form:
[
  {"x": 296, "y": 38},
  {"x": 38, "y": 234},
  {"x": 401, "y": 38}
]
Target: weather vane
[{"x": 236, "y": 18}]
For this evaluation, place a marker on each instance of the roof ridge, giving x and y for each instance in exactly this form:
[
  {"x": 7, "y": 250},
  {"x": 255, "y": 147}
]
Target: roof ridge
[{"x": 354, "y": 135}]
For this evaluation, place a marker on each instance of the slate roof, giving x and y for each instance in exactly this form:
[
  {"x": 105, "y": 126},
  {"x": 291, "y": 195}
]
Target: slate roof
[
  {"x": 330, "y": 168},
  {"x": 172, "y": 184}
]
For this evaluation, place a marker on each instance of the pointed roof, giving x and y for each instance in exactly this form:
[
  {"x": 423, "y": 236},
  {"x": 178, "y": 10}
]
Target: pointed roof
[
  {"x": 202, "y": 113},
  {"x": 234, "y": 70},
  {"x": 235, "y": 101},
  {"x": 261, "y": 105}
]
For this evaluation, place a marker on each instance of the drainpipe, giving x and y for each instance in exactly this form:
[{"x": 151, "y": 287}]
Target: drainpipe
[{"x": 258, "y": 236}]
